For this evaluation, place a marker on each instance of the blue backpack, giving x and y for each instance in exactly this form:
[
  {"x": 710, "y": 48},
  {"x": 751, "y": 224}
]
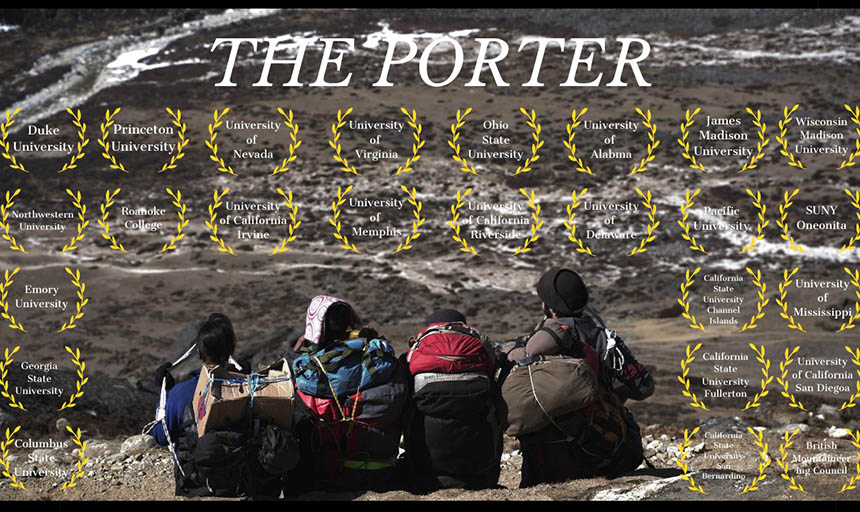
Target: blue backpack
[{"x": 345, "y": 368}]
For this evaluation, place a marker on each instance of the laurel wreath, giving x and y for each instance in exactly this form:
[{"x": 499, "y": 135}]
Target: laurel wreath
[
  {"x": 334, "y": 220},
  {"x": 82, "y": 140},
  {"x": 470, "y": 168},
  {"x": 683, "y": 463},
  {"x": 855, "y": 281},
  {"x": 762, "y": 221},
  {"x": 4, "y": 454},
  {"x": 761, "y": 288},
  {"x": 855, "y": 441},
  {"x": 782, "y": 301},
  {"x": 783, "y": 220},
  {"x": 105, "y": 224},
  {"x": 81, "y": 382},
  {"x": 82, "y": 459},
  {"x": 852, "y": 400},
  {"x": 8, "y": 359},
  {"x": 454, "y": 223},
  {"x": 685, "y": 213},
  {"x": 684, "y": 301},
  {"x": 653, "y": 223},
  {"x": 855, "y": 118},
  {"x": 575, "y": 121},
  {"x": 4, "y": 303},
  {"x": 6, "y": 226},
  {"x": 416, "y": 146},
  {"x": 4, "y": 130},
  {"x": 416, "y": 212},
  {"x": 570, "y": 223},
  {"x": 212, "y": 223},
  {"x": 294, "y": 222},
  {"x": 295, "y": 142},
  {"x": 181, "y": 208},
  {"x": 685, "y": 381},
  {"x": 77, "y": 201},
  {"x": 755, "y": 157},
  {"x": 783, "y": 139},
  {"x": 81, "y": 303},
  {"x": 758, "y": 435},
  {"x": 217, "y": 121},
  {"x": 183, "y": 141},
  {"x": 765, "y": 380},
  {"x": 855, "y": 202},
  {"x": 781, "y": 462},
  {"x": 334, "y": 142},
  {"x": 782, "y": 380},
  {"x": 103, "y": 141},
  {"x": 652, "y": 142},
  {"x": 535, "y": 225}
]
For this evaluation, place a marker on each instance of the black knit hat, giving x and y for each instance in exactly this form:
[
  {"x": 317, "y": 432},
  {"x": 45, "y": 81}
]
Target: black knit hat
[
  {"x": 445, "y": 315},
  {"x": 563, "y": 291}
]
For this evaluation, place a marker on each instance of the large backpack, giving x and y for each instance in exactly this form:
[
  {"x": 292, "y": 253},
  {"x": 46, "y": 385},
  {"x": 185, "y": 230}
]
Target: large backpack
[
  {"x": 453, "y": 432},
  {"x": 352, "y": 421}
]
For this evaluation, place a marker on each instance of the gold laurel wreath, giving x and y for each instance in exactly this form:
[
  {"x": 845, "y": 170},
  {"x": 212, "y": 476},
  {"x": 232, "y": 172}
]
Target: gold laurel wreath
[
  {"x": 5, "y": 208},
  {"x": 454, "y": 223},
  {"x": 103, "y": 142},
  {"x": 181, "y": 208},
  {"x": 855, "y": 202},
  {"x": 4, "y": 127},
  {"x": 77, "y": 201},
  {"x": 762, "y": 221},
  {"x": 855, "y": 281},
  {"x": 570, "y": 224},
  {"x": 81, "y": 382},
  {"x": 294, "y": 222},
  {"x": 782, "y": 380},
  {"x": 183, "y": 141},
  {"x": 685, "y": 213},
  {"x": 295, "y": 142},
  {"x": 536, "y": 223},
  {"x": 781, "y": 462},
  {"x": 453, "y": 144},
  {"x": 470, "y": 168},
  {"x": 684, "y": 301},
  {"x": 782, "y": 301},
  {"x": 81, "y": 303},
  {"x": 855, "y": 118},
  {"x": 4, "y": 303},
  {"x": 82, "y": 140},
  {"x": 766, "y": 379},
  {"x": 334, "y": 142},
  {"x": 852, "y": 401},
  {"x": 855, "y": 441},
  {"x": 653, "y": 224},
  {"x": 335, "y": 221},
  {"x": 683, "y": 463},
  {"x": 103, "y": 222},
  {"x": 685, "y": 381},
  {"x": 217, "y": 121},
  {"x": 783, "y": 220},
  {"x": 535, "y": 146},
  {"x": 212, "y": 223},
  {"x": 82, "y": 459},
  {"x": 783, "y": 140},
  {"x": 758, "y": 435},
  {"x": 652, "y": 143},
  {"x": 416, "y": 146},
  {"x": 8, "y": 359},
  {"x": 761, "y": 288},
  {"x": 755, "y": 157},
  {"x": 416, "y": 212},
  {"x": 569, "y": 144},
  {"x": 4, "y": 454}
]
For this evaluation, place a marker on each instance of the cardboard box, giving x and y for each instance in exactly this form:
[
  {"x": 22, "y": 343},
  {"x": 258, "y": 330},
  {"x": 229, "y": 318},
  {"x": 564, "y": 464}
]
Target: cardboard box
[{"x": 225, "y": 403}]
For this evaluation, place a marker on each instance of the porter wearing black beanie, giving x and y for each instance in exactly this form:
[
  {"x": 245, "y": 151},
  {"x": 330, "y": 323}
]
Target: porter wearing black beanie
[{"x": 563, "y": 290}]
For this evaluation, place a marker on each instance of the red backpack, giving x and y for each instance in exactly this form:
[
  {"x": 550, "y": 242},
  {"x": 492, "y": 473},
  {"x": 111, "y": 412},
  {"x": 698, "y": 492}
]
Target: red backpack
[{"x": 449, "y": 348}]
